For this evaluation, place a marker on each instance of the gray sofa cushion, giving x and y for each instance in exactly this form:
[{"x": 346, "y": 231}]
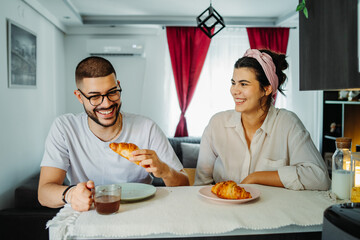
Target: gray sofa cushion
[
  {"x": 176, "y": 144},
  {"x": 190, "y": 153}
]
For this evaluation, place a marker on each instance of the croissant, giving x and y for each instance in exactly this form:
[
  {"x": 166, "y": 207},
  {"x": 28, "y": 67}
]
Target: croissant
[
  {"x": 124, "y": 149},
  {"x": 230, "y": 190}
]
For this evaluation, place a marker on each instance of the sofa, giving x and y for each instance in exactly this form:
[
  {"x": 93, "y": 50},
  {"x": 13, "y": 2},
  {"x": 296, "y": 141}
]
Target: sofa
[{"x": 27, "y": 220}]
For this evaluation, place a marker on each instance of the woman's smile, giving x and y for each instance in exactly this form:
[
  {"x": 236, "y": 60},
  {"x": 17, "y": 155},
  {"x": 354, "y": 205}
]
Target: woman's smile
[{"x": 239, "y": 101}]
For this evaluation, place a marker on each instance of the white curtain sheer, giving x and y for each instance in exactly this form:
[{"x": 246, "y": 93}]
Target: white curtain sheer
[{"x": 212, "y": 93}]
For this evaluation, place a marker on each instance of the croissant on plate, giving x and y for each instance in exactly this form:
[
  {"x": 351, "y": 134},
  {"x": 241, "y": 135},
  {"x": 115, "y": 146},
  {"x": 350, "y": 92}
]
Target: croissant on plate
[
  {"x": 230, "y": 190},
  {"x": 124, "y": 149}
]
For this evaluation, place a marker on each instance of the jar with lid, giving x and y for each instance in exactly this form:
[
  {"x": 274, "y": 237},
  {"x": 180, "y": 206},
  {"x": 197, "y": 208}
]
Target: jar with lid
[{"x": 342, "y": 176}]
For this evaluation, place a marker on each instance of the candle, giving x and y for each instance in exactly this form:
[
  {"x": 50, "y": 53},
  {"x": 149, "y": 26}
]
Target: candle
[
  {"x": 355, "y": 195},
  {"x": 357, "y": 176},
  {"x": 355, "y": 191}
]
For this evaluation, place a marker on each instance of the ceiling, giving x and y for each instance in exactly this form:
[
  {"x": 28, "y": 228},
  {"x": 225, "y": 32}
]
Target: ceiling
[{"x": 67, "y": 14}]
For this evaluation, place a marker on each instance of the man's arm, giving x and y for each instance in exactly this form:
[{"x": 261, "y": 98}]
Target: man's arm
[
  {"x": 175, "y": 178},
  {"x": 51, "y": 189}
]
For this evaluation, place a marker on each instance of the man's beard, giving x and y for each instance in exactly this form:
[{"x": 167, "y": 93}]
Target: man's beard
[{"x": 92, "y": 115}]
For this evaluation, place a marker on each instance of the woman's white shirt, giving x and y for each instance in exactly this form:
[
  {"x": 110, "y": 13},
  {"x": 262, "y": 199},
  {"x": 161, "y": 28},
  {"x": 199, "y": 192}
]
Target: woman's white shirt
[{"x": 281, "y": 144}]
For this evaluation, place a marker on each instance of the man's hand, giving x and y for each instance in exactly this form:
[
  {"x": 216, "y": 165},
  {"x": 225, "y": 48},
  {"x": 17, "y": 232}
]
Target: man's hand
[
  {"x": 149, "y": 160},
  {"x": 80, "y": 197}
]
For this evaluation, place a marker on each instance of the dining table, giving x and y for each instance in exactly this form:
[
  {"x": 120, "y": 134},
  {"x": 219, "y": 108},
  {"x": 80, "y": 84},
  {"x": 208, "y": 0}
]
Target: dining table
[{"x": 193, "y": 212}]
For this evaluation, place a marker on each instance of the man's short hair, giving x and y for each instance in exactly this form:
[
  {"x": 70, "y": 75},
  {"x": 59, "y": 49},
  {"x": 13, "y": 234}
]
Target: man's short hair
[{"x": 93, "y": 67}]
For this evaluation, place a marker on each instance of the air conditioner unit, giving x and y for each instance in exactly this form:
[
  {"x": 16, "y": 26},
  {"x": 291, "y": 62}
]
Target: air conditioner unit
[{"x": 117, "y": 47}]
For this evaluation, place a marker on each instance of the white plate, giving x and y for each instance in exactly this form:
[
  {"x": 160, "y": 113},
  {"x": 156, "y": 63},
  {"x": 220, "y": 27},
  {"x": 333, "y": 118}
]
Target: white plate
[
  {"x": 206, "y": 193},
  {"x": 136, "y": 191}
]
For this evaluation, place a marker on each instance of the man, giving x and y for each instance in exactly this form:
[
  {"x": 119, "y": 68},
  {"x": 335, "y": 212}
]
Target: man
[{"x": 78, "y": 145}]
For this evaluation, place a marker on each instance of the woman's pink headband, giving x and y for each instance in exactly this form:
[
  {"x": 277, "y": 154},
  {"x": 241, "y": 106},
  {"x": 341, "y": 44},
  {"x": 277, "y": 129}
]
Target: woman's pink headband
[{"x": 268, "y": 66}]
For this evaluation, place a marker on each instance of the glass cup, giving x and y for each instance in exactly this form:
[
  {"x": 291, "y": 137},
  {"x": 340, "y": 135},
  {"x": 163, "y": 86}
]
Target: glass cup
[{"x": 107, "y": 199}]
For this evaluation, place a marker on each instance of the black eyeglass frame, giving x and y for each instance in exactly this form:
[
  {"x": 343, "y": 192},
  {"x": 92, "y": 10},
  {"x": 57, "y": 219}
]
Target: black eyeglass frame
[{"x": 101, "y": 95}]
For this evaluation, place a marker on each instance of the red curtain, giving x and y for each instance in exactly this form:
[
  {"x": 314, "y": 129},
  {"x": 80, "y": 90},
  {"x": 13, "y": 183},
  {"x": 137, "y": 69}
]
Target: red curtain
[
  {"x": 275, "y": 39},
  {"x": 188, "y": 47}
]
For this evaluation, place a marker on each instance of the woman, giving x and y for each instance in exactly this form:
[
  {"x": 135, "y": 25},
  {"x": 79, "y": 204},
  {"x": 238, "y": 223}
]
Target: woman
[{"x": 258, "y": 143}]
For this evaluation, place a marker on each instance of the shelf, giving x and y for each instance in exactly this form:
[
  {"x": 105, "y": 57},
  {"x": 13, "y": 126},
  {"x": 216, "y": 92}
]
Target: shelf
[
  {"x": 342, "y": 102},
  {"x": 346, "y": 115},
  {"x": 330, "y": 137}
]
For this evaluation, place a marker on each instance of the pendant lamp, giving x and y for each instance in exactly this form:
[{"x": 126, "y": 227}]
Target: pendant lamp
[{"x": 208, "y": 20}]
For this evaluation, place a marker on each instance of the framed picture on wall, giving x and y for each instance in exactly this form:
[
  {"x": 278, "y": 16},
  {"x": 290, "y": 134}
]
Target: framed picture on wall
[{"x": 21, "y": 56}]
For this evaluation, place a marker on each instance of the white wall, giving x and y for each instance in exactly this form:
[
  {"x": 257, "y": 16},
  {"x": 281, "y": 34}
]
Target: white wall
[
  {"x": 26, "y": 114},
  {"x": 143, "y": 79}
]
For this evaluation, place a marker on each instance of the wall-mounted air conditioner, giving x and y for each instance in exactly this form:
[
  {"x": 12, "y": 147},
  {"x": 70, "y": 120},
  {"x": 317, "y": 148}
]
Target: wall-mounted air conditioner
[{"x": 115, "y": 47}]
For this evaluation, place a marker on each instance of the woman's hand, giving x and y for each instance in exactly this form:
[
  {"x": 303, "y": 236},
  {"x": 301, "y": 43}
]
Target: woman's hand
[
  {"x": 249, "y": 179},
  {"x": 270, "y": 178}
]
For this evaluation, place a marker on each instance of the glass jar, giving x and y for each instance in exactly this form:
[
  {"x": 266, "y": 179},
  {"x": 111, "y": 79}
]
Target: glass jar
[
  {"x": 342, "y": 177},
  {"x": 355, "y": 165}
]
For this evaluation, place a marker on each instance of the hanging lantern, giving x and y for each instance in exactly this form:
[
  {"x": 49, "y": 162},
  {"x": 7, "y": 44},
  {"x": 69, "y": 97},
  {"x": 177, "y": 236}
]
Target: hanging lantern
[{"x": 208, "y": 20}]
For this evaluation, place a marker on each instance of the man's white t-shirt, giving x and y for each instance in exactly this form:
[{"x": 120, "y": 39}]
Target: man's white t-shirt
[{"x": 72, "y": 146}]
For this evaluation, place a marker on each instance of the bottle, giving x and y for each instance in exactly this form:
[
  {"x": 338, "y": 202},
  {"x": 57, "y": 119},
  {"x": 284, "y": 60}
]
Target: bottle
[{"x": 341, "y": 182}]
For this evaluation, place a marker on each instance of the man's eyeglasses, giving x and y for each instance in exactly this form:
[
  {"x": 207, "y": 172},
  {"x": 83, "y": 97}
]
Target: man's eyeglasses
[{"x": 96, "y": 100}]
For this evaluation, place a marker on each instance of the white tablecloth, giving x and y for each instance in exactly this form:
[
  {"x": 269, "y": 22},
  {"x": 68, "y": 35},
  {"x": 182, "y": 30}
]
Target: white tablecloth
[{"x": 182, "y": 211}]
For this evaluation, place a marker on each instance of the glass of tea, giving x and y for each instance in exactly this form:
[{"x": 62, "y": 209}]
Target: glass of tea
[{"x": 107, "y": 199}]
